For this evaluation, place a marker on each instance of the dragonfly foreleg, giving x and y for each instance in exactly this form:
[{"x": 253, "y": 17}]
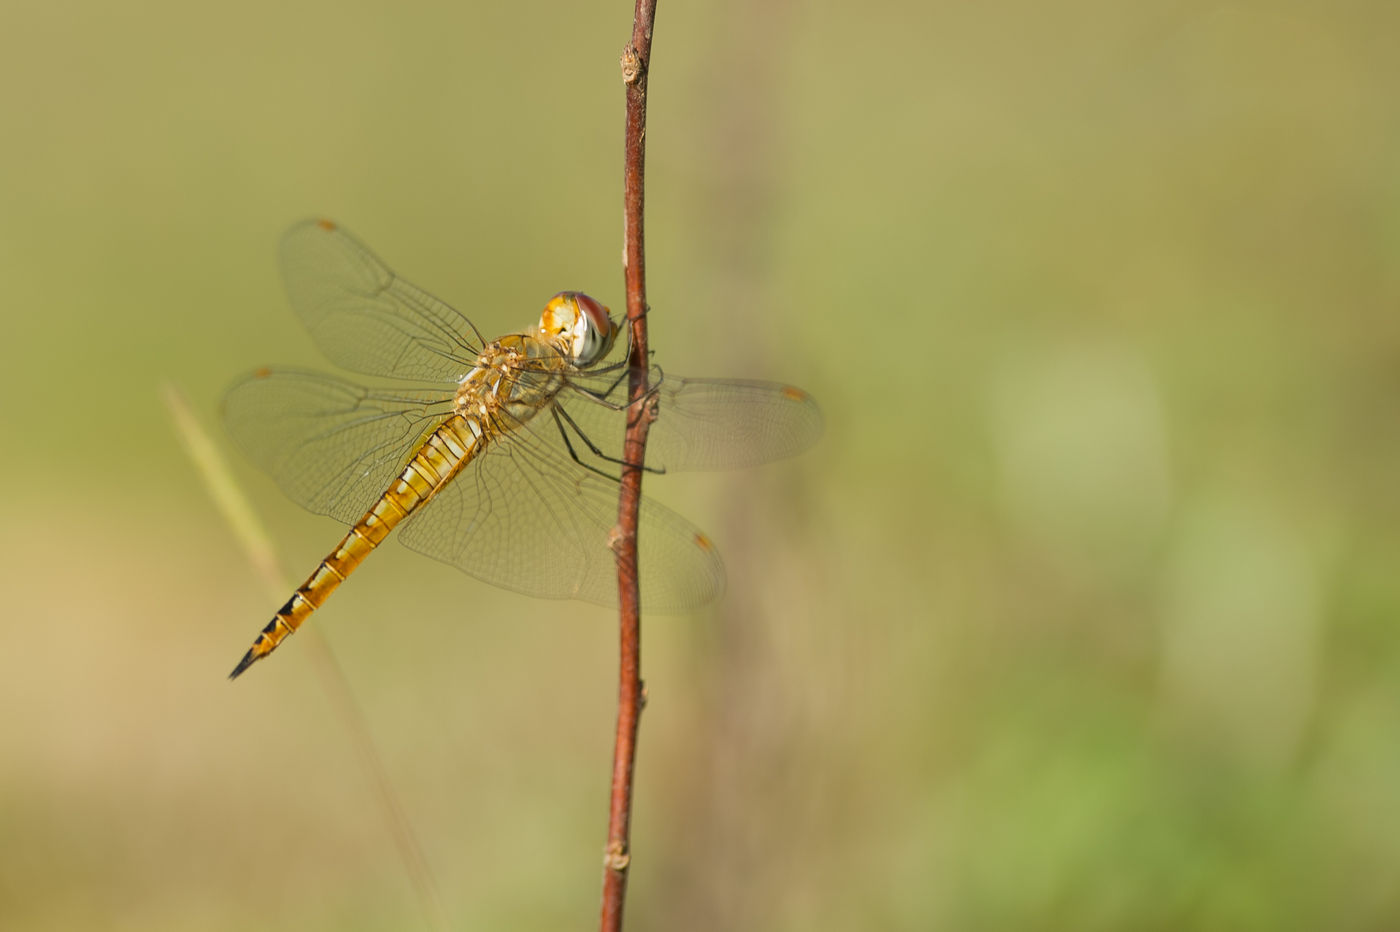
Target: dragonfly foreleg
[{"x": 602, "y": 396}]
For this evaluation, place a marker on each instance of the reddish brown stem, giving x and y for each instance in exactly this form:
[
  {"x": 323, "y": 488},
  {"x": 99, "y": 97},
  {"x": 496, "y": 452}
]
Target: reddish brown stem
[{"x": 636, "y": 58}]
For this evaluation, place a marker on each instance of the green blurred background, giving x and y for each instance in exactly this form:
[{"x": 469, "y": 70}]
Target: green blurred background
[{"x": 1081, "y": 616}]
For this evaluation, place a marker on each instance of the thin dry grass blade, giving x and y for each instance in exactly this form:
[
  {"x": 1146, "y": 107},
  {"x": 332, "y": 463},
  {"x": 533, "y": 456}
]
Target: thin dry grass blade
[{"x": 236, "y": 510}]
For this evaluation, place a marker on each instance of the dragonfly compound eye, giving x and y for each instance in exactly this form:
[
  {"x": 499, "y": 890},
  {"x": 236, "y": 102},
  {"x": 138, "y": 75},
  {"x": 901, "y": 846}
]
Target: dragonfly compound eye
[{"x": 582, "y": 323}]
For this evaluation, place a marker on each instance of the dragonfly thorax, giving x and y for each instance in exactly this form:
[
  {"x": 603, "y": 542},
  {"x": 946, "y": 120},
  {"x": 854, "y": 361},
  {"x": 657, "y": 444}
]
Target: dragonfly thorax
[{"x": 517, "y": 375}]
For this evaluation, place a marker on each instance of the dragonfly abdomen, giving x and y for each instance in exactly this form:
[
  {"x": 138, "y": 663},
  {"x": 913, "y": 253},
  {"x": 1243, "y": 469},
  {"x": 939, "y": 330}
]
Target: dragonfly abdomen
[{"x": 438, "y": 459}]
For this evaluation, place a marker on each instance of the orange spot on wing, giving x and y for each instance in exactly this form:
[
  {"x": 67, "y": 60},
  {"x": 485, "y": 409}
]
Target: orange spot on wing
[
  {"x": 327, "y": 225},
  {"x": 794, "y": 394},
  {"x": 262, "y": 373},
  {"x": 703, "y": 542}
]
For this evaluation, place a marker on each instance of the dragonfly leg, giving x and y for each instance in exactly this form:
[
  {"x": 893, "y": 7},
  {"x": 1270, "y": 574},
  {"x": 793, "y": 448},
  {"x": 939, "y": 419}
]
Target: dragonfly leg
[
  {"x": 561, "y": 418},
  {"x": 601, "y": 397}
]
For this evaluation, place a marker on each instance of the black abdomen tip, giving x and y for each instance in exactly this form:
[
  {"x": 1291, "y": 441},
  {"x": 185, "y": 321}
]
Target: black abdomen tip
[{"x": 248, "y": 660}]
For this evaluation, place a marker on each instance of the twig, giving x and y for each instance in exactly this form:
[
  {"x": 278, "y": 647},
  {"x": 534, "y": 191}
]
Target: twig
[
  {"x": 234, "y": 506},
  {"x": 636, "y": 58}
]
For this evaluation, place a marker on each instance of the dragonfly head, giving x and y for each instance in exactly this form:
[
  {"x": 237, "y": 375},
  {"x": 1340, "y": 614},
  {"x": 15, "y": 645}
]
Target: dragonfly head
[{"x": 581, "y": 324}]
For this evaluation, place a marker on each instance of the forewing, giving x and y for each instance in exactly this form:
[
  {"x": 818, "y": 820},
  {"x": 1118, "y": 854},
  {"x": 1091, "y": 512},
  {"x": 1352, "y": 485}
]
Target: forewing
[
  {"x": 331, "y": 445},
  {"x": 526, "y": 517},
  {"x": 366, "y": 318},
  {"x": 700, "y": 423}
]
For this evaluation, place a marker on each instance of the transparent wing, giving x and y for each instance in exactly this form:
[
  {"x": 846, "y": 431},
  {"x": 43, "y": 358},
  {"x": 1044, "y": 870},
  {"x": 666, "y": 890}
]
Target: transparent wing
[
  {"x": 333, "y": 446},
  {"x": 700, "y": 423},
  {"x": 366, "y": 318},
  {"x": 526, "y": 517}
]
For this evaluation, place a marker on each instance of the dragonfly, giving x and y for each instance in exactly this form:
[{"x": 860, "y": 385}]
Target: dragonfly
[{"x": 499, "y": 457}]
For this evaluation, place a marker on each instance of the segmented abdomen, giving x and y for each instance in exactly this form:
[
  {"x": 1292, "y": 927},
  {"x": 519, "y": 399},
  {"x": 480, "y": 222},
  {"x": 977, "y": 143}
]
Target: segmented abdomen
[{"x": 438, "y": 459}]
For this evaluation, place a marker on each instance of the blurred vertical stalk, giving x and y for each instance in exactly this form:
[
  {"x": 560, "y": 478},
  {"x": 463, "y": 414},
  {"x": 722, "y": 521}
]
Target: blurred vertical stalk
[
  {"x": 731, "y": 874},
  {"x": 233, "y": 505},
  {"x": 636, "y": 58}
]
